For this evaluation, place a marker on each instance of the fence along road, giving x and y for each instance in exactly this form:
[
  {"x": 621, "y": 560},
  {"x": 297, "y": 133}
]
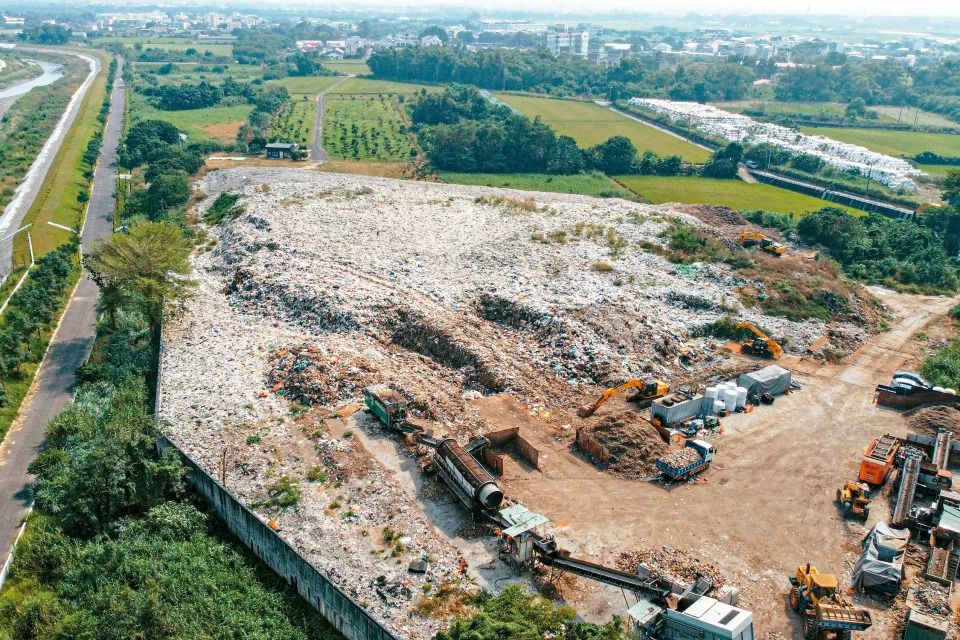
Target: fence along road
[{"x": 53, "y": 387}]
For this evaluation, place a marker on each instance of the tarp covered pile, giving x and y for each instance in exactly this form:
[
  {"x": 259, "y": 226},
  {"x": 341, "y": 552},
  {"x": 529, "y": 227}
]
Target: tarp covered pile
[{"x": 881, "y": 565}]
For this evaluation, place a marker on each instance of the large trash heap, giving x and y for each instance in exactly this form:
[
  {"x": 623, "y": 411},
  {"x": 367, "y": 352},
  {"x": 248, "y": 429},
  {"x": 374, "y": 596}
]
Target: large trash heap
[
  {"x": 320, "y": 284},
  {"x": 893, "y": 172}
]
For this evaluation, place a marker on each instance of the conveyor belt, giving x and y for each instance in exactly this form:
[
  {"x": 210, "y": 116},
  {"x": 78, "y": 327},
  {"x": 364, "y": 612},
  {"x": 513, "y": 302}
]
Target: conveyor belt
[{"x": 602, "y": 574}]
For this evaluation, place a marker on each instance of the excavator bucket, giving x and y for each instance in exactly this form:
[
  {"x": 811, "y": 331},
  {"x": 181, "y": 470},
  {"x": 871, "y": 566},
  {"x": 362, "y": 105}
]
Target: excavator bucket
[{"x": 830, "y": 616}]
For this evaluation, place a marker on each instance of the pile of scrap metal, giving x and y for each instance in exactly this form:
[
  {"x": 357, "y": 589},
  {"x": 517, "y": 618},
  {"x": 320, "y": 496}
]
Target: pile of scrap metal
[{"x": 908, "y": 390}]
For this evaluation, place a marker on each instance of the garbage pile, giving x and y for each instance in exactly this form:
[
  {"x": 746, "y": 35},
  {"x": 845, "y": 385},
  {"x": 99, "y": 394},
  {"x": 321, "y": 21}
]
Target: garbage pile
[
  {"x": 308, "y": 375},
  {"x": 931, "y": 598},
  {"x": 681, "y": 457},
  {"x": 668, "y": 561},
  {"x": 893, "y": 172}
]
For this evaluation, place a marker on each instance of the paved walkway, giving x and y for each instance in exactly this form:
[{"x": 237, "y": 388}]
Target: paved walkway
[
  {"x": 317, "y": 154},
  {"x": 53, "y": 389}
]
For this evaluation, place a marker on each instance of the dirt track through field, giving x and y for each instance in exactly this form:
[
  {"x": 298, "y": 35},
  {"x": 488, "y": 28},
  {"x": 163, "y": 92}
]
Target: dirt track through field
[{"x": 317, "y": 154}]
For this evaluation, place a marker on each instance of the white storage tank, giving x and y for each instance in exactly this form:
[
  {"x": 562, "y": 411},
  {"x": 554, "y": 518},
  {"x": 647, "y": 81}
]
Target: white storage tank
[
  {"x": 718, "y": 407},
  {"x": 730, "y": 399},
  {"x": 938, "y": 389},
  {"x": 741, "y": 397},
  {"x": 711, "y": 392},
  {"x": 952, "y": 392}
]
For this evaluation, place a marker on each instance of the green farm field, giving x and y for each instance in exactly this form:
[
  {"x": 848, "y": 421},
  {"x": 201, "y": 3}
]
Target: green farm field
[
  {"x": 894, "y": 143},
  {"x": 732, "y": 193},
  {"x": 588, "y": 184},
  {"x": 356, "y": 67},
  {"x": 365, "y": 86},
  {"x": 590, "y": 124},
  {"x": 938, "y": 169},
  {"x": 296, "y": 122},
  {"x": 307, "y": 85},
  {"x": 212, "y": 123},
  {"x": 365, "y": 127},
  {"x": 888, "y": 113},
  {"x": 170, "y": 44}
]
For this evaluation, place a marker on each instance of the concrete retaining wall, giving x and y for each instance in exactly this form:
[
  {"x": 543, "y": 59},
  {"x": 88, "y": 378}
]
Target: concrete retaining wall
[
  {"x": 845, "y": 199},
  {"x": 349, "y": 618}
]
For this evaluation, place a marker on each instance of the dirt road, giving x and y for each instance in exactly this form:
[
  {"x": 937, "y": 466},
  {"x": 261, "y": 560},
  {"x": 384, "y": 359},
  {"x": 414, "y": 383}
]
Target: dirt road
[{"x": 317, "y": 154}]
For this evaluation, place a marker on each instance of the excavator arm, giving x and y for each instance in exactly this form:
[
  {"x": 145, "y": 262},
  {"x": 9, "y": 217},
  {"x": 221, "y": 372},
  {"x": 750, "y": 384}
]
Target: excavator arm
[{"x": 589, "y": 410}]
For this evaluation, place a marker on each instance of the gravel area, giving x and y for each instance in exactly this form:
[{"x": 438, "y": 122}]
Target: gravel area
[{"x": 445, "y": 292}]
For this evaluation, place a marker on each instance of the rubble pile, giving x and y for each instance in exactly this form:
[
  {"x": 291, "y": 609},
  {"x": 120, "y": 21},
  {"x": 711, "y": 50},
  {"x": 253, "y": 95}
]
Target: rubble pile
[
  {"x": 931, "y": 598},
  {"x": 929, "y": 420},
  {"x": 668, "y": 561},
  {"x": 681, "y": 457},
  {"x": 633, "y": 444}
]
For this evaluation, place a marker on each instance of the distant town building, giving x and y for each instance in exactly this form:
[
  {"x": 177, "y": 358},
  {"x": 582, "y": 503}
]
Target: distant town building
[
  {"x": 431, "y": 41},
  {"x": 575, "y": 43}
]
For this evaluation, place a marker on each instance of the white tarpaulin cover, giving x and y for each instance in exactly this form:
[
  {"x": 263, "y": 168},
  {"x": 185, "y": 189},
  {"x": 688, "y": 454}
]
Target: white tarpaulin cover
[{"x": 881, "y": 565}]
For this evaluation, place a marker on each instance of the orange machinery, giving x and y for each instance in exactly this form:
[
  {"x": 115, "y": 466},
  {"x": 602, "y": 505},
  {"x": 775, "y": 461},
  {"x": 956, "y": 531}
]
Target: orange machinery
[{"x": 878, "y": 460}]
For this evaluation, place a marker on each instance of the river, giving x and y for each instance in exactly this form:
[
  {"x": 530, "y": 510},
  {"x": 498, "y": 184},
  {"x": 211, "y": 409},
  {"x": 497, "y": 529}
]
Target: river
[{"x": 51, "y": 73}]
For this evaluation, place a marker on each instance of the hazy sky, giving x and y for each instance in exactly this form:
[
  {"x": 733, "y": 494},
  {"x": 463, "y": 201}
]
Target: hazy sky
[{"x": 863, "y": 8}]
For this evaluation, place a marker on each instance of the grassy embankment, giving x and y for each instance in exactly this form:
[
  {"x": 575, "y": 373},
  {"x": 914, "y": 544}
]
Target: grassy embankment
[
  {"x": 56, "y": 200},
  {"x": 590, "y": 124}
]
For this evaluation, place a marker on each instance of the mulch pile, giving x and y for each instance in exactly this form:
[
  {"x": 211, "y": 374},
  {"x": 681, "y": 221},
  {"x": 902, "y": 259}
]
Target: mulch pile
[
  {"x": 307, "y": 375},
  {"x": 633, "y": 444},
  {"x": 929, "y": 420},
  {"x": 668, "y": 561}
]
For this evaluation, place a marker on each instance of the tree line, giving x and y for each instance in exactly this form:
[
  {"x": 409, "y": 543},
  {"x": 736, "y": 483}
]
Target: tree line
[
  {"x": 934, "y": 88},
  {"x": 540, "y": 72},
  {"x": 461, "y": 130}
]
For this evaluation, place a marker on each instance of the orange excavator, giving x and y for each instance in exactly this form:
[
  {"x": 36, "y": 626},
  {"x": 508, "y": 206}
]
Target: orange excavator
[
  {"x": 647, "y": 392},
  {"x": 761, "y": 344},
  {"x": 752, "y": 238}
]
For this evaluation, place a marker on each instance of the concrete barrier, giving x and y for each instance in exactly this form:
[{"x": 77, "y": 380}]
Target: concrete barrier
[
  {"x": 839, "y": 197},
  {"x": 348, "y": 617}
]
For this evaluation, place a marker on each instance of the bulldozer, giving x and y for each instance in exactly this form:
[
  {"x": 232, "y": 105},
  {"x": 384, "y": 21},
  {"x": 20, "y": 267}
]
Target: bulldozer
[
  {"x": 752, "y": 238},
  {"x": 647, "y": 392},
  {"x": 761, "y": 344},
  {"x": 854, "y": 497},
  {"x": 826, "y": 613}
]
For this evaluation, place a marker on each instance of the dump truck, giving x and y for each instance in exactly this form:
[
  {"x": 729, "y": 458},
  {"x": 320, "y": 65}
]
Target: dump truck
[
  {"x": 854, "y": 499},
  {"x": 387, "y": 404},
  {"x": 878, "y": 460},
  {"x": 695, "y": 456},
  {"x": 761, "y": 344},
  {"x": 826, "y": 613},
  {"x": 646, "y": 391},
  {"x": 754, "y": 239}
]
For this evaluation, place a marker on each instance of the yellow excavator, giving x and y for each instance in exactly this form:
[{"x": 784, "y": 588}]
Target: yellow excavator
[
  {"x": 647, "y": 392},
  {"x": 826, "y": 613},
  {"x": 928, "y": 205},
  {"x": 752, "y": 238},
  {"x": 761, "y": 344}
]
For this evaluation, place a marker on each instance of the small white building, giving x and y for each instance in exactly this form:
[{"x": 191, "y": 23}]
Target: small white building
[{"x": 431, "y": 41}]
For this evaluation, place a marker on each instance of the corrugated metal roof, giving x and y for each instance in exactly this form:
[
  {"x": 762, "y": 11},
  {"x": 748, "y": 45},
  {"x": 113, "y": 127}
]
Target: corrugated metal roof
[
  {"x": 644, "y": 611},
  {"x": 521, "y": 519},
  {"x": 950, "y": 519}
]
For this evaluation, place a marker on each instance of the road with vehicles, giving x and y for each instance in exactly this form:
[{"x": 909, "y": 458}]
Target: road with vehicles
[{"x": 70, "y": 346}]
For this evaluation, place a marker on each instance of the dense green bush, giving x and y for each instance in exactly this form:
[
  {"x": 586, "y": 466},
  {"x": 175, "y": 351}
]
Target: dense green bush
[{"x": 882, "y": 250}]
